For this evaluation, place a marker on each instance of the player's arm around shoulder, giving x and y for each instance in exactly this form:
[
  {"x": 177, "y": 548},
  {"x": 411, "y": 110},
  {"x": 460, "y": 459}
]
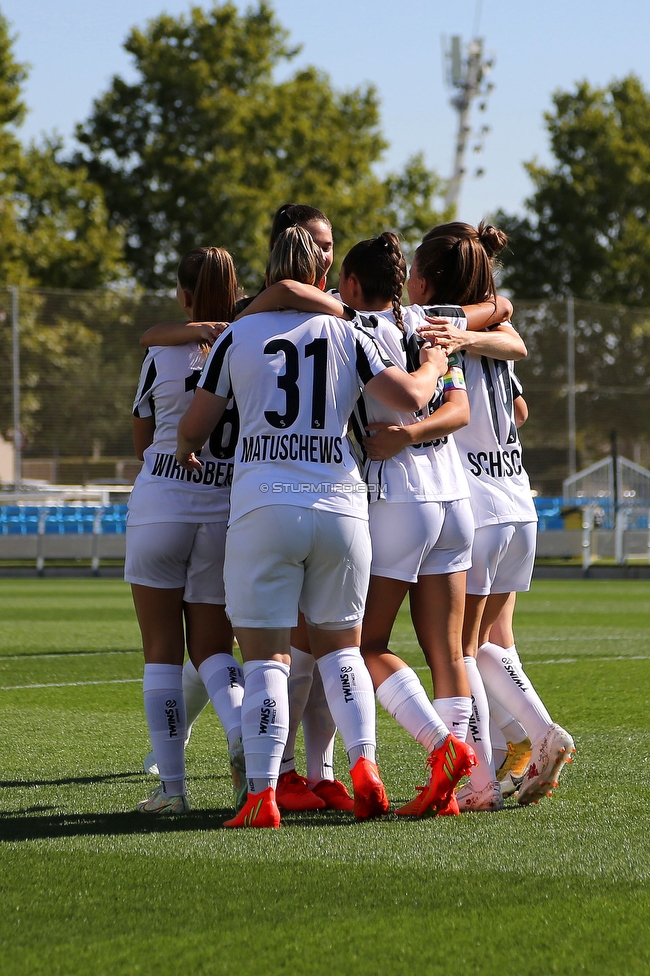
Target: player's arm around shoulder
[{"x": 399, "y": 390}]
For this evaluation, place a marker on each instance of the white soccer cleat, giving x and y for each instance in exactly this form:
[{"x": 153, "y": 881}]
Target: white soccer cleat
[
  {"x": 164, "y": 806},
  {"x": 546, "y": 763},
  {"x": 510, "y": 784},
  {"x": 488, "y": 799},
  {"x": 238, "y": 773}
]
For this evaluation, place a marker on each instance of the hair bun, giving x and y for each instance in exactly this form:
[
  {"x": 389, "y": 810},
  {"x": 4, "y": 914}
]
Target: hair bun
[{"x": 492, "y": 239}]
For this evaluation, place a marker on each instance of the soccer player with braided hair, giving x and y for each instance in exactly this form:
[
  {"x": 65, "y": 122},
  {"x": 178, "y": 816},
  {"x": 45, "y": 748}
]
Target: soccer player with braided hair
[{"x": 421, "y": 528}]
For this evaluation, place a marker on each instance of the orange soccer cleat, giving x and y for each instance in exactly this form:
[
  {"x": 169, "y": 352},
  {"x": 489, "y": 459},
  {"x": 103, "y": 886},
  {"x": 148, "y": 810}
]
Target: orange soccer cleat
[
  {"x": 335, "y": 795},
  {"x": 448, "y": 763},
  {"x": 370, "y": 798},
  {"x": 260, "y": 810},
  {"x": 294, "y": 795}
]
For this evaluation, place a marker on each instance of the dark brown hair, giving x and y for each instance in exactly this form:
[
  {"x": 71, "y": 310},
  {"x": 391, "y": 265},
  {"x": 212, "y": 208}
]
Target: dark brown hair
[
  {"x": 456, "y": 260},
  {"x": 293, "y": 215},
  {"x": 208, "y": 273},
  {"x": 379, "y": 266},
  {"x": 296, "y": 255}
]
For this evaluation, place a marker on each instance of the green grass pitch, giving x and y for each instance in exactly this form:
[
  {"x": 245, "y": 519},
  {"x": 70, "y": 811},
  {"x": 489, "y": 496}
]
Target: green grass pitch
[{"x": 88, "y": 886}]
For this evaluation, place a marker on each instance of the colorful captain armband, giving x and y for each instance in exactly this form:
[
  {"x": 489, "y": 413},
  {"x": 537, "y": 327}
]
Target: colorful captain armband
[{"x": 454, "y": 378}]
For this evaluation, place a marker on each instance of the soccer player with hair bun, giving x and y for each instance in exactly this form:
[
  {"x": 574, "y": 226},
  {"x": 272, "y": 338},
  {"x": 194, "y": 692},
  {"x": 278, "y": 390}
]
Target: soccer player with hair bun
[{"x": 452, "y": 266}]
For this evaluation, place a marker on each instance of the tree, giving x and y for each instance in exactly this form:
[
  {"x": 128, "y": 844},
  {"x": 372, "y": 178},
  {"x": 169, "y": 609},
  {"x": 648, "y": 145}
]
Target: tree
[
  {"x": 586, "y": 232},
  {"x": 206, "y": 144},
  {"x": 53, "y": 221}
]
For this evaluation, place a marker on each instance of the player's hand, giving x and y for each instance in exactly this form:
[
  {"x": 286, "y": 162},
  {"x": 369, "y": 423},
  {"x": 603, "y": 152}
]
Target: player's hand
[
  {"x": 385, "y": 441},
  {"x": 432, "y": 352},
  {"x": 444, "y": 334},
  {"x": 210, "y": 331},
  {"x": 189, "y": 462}
]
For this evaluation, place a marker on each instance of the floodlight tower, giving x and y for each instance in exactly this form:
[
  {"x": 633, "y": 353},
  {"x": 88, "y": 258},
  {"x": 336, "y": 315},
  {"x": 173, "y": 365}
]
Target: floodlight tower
[{"x": 466, "y": 73}]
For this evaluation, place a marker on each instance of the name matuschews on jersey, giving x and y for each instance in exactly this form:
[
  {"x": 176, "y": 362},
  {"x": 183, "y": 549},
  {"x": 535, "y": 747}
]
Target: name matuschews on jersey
[
  {"x": 315, "y": 448},
  {"x": 496, "y": 464},
  {"x": 215, "y": 473}
]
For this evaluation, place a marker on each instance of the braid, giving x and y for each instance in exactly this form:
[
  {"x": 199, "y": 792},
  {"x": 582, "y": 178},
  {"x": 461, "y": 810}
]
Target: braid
[
  {"x": 380, "y": 268},
  {"x": 397, "y": 267}
]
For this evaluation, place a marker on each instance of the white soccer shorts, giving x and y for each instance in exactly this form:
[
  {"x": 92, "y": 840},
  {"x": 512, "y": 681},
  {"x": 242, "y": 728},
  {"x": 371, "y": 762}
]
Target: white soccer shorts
[
  {"x": 503, "y": 557},
  {"x": 411, "y": 539},
  {"x": 282, "y": 558},
  {"x": 168, "y": 555}
]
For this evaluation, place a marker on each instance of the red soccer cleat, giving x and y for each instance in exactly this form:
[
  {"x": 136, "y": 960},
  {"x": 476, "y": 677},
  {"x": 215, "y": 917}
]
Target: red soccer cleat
[
  {"x": 414, "y": 807},
  {"x": 370, "y": 798},
  {"x": 335, "y": 795},
  {"x": 260, "y": 810},
  {"x": 449, "y": 763},
  {"x": 452, "y": 809},
  {"x": 294, "y": 795}
]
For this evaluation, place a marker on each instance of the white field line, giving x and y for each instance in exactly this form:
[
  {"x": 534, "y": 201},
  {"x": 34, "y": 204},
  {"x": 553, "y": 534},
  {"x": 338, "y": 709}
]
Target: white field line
[
  {"x": 573, "y": 660},
  {"x": 128, "y": 681},
  {"x": 74, "y": 684},
  {"x": 63, "y": 654}
]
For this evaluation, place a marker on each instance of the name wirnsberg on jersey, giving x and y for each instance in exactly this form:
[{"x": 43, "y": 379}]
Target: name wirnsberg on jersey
[
  {"x": 497, "y": 464},
  {"x": 213, "y": 473},
  {"x": 315, "y": 448}
]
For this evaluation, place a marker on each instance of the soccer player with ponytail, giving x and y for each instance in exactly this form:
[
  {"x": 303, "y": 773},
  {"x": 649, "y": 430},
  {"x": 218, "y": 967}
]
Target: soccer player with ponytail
[{"x": 175, "y": 540}]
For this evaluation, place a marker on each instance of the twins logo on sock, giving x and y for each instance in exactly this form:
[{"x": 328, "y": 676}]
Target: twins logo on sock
[
  {"x": 347, "y": 681},
  {"x": 267, "y": 715}
]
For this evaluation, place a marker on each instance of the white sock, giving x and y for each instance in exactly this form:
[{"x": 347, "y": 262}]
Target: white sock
[
  {"x": 265, "y": 721},
  {"x": 164, "y": 707},
  {"x": 509, "y": 727},
  {"x": 404, "y": 697},
  {"x": 300, "y": 681},
  {"x": 455, "y": 713},
  {"x": 513, "y": 653},
  {"x": 351, "y": 698},
  {"x": 499, "y": 744},
  {"x": 194, "y": 694},
  {"x": 479, "y": 729},
  {"x": 510, "y": 686},
  {"x": 223, "y": 678},
  {"x": 319, "y": 731}
]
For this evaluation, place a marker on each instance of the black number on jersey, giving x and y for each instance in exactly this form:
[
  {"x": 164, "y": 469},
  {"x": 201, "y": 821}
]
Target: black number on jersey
[
  {"x": 224, "y": 437},
  {"x": 288, "y": 382},
  {"x": 497, "y": 380},
  {"x": 318, "y": 349}
]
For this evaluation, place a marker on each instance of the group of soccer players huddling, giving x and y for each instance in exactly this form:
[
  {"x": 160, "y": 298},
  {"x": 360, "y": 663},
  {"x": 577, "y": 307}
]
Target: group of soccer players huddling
[{"x": 309, "y": 458}]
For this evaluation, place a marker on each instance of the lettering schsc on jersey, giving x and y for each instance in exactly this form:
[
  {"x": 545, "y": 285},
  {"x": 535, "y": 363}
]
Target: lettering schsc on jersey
[
  {"x": 489, "y": 445},
  {"x": 163, "y": 491}
]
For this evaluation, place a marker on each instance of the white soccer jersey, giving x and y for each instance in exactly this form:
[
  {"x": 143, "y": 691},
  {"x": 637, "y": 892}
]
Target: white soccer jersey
[
  {"x": 489, "y": 446},
  {"x": 295, "y": 377},
  {"x": 163, "y": 491},
  {"x": 431, "y": 471}
]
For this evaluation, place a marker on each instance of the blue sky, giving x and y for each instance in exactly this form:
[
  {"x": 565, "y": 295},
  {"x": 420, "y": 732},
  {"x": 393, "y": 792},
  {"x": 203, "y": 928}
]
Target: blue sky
[{"x": 74, "y": 48}]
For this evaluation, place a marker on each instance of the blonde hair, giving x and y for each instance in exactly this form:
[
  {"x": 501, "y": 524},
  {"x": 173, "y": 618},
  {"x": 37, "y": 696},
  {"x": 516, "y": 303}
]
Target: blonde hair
[{"x": 296, "y": 255}]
